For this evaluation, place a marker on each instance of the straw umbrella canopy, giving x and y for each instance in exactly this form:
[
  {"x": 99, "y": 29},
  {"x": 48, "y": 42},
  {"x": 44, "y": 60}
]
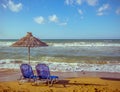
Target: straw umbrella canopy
[{"x": 29, "y": 41}]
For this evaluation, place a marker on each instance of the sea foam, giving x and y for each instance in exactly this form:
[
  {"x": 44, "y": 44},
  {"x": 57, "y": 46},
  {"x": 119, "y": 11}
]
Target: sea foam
[
  {"x": 67, "y": 44},
  {"x": 63, "y": 66}
]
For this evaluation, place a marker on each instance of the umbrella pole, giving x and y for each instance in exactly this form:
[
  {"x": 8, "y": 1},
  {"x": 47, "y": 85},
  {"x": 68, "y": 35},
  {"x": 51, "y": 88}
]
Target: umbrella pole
[{"x": 29, "y": 54}]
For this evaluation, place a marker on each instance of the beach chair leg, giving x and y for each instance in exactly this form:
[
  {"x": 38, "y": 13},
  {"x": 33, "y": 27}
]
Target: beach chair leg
[
  {"x": 56, "y": 80},
  {"x": 51, "y": 83},
  {"x": 35, "y": 82},
  {"x": 47, "y": 82},
  {"x": 20, "y": 80}
]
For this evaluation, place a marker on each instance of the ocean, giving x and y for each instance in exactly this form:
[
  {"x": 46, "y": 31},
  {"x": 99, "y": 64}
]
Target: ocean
[{"x": 64, "y": 51}]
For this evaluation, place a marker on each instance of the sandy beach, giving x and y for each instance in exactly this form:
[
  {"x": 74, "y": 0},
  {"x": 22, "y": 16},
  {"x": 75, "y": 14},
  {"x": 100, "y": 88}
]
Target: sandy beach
[
  {"x": 93, "y": 66},
  {"x": 68, "y": 82}
]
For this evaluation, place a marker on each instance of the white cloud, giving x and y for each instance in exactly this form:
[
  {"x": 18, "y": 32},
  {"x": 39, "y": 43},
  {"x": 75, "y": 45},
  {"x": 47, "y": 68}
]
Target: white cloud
[
  {"x": 118, "y": 11},
  {"x": 53, "y": 18},
  {"x": 69, "y": 2},
  {"x": 92, "y": 2},
  {"x": 39, "y": 20},
  {"x": 4, "y": 6},
  {"x": 100, "y": 13},
  {"x": 102, "y": 9},
  {"x": 14, "y": 7},
  {"x": 80, "y": 11},
  {"x": 80, "y": 2}
]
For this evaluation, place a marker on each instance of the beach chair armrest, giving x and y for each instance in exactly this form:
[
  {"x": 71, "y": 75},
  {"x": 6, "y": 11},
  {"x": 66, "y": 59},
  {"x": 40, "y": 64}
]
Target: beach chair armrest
[{"x": 53, "y": 77}]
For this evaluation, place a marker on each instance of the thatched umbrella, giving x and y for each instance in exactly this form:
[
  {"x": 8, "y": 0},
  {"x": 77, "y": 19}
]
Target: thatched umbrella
[{"x": 29, "y": 41}]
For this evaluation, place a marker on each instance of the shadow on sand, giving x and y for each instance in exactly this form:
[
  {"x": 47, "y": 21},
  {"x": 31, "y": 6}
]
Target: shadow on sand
[
  {"x": 105, "y": 78},
  {"x": 67, "y": 83}
]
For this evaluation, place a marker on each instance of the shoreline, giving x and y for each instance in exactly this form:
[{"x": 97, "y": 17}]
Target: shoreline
[
  {"x": 64, "y": 66},
  {"x": 14, "y": 74}
]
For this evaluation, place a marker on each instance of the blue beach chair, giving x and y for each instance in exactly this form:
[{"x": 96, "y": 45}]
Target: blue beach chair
[
  {"x": 27, "y": 73},
  {"x": 44, "y": 74}
]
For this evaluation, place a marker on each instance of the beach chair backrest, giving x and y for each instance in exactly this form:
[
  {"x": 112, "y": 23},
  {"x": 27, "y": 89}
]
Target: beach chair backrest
[
  {"x": 26, "y": 70},
  {"x": 42, "y": 71}
]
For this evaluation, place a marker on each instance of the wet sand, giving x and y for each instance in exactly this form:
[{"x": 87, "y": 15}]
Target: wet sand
[{"x": 12, "y": 74}]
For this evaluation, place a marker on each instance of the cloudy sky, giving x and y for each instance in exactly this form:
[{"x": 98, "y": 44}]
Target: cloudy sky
[{"x": 60, "y": 19}]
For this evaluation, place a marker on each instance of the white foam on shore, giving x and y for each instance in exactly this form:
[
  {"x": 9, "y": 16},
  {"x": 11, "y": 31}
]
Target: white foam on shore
[
  {"x": 67, "y": 44},
  {"x": 82, "y": 44},
  {"x": 62, "y": 66}
]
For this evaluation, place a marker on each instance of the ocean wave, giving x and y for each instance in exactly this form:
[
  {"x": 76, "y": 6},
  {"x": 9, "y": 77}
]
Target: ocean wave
[
  {"x": 5, "y": 43},
  {"x": 63, "y": 66},
  {"x": 67, "y": 44},
  {"x": 83, "y": 44}
]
